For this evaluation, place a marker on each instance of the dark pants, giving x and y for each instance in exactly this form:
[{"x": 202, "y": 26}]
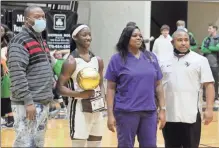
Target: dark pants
[
  {"x": 5, "y": 106},
  {"x": 182, "y": 135},
  {"x": 142, "y": 124},
  {"x": 56, "y": 95},
  {"x": 215, "y": 72}
]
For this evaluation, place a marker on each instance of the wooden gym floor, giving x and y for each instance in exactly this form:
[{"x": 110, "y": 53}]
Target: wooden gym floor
[{"x": 58, "y": 135}]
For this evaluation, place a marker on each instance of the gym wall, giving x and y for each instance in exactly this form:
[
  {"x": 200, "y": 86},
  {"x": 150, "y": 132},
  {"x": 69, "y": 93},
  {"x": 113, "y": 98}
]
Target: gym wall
[
  {"x": 200, "y": 14},
  {"x": 107, "y": 19}
]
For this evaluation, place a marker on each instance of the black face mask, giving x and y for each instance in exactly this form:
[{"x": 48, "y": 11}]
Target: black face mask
[{"x": 180, "y": 54}]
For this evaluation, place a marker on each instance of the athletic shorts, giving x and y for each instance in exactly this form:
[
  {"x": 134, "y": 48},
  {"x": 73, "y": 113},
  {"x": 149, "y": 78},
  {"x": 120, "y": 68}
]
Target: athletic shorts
[{"x": 84, "y": 124}]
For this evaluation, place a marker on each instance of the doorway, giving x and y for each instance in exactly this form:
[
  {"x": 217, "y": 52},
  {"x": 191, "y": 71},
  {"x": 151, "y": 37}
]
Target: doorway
[{"x": 167, "y": 12}]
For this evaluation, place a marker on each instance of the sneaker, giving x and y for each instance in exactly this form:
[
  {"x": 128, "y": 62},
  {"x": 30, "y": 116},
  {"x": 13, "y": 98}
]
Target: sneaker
[
  {"x": 104, "y": 114},
  {"x": 9, "y": 125},
  {"x": 62, "y": 105},
  {"x": 3, "y": 122},
  {"x": 53, "y": 112},
  {"x": 62, "y": 113},
  {"x": 216, "y": 102}
]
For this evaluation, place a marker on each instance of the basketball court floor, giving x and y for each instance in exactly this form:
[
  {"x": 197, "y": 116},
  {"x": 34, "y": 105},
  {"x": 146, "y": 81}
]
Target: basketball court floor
[{"x": 58, "y": 135}]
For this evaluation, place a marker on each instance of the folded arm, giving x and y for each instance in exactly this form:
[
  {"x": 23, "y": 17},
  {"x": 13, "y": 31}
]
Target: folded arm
[
  {"x": 205, "y": 49},
  {"x": 214, "y": 48}
]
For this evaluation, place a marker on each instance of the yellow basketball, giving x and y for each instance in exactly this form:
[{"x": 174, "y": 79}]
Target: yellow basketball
[{"x": 88, "y": 78}]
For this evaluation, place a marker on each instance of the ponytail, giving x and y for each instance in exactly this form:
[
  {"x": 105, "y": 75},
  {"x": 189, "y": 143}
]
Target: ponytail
[
  {"x": 72, "y": 42},
  {"x": 72, "y": 45}
]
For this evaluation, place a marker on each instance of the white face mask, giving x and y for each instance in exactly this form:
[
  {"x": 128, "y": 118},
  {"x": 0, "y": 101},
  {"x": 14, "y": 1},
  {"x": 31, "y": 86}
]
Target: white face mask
[{"x": 39, "y": 25}]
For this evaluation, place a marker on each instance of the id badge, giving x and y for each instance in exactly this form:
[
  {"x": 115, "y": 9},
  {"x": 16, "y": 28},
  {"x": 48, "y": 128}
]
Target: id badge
[{"x": 97, "y": 104}]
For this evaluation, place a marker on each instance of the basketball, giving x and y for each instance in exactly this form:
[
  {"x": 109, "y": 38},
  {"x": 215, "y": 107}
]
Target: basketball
[{"x": 88, "y": 78}]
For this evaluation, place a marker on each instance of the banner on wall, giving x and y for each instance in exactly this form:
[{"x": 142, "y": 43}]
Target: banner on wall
[
  {"x": 17, "y": 20},
  {"x": 3, "y": 16},
  {"x": 59, "y": 24}
]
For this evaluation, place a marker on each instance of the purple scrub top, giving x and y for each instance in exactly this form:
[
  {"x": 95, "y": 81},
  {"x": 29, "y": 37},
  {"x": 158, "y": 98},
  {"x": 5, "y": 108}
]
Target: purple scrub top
[{"x": 135, "y": 81}]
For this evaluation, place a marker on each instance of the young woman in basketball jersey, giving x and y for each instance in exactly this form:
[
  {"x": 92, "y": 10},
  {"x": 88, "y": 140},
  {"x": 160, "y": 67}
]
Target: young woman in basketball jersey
[{"x": 85, "y": 125}]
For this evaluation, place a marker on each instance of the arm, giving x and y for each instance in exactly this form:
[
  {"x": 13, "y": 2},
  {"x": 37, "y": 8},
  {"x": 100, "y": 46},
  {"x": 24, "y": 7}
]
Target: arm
[
  {"x": 162, "y": 106},
  {"x": 111, "y": 87},
  {"x": 194, "y": 48},
  {"x": 68, "y": 69},
  {"x": 3, "y": 62},
  {"x": 17, "y": 62},
  {"x": 203, "y": 48},
  {"x": 160, "y": 94},
  {"x": 159, "y": 86},
  {"x": 111, "y": 76},
  {"x": 101, "y": 67},
  {"x": 4, "y": 59},
  {"x": 210, "y": 95},
  {"x": 214, "y": 48},
  {"x": 4, "y": 65},
  {"x": 207, "y": 81},
  {"x": 67, "y": 51}
]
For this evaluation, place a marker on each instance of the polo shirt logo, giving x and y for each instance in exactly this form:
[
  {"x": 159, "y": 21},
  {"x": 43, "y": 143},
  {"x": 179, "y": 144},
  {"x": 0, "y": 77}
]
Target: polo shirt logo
[{"x": 187, "y": 64}]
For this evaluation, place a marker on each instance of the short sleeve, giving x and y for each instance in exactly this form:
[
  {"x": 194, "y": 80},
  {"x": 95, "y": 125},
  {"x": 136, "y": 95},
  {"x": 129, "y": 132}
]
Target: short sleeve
[
  {"x": 112, "y": 70},
  {"x": 158, "y": 69},
  {"x": 205, "y": 72}
]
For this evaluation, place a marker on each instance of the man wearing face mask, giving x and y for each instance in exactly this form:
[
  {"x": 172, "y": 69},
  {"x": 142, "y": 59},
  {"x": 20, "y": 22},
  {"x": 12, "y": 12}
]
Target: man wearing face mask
[
  {"x": 31, "y": 80},
  {"x": 184, "y": 73}
]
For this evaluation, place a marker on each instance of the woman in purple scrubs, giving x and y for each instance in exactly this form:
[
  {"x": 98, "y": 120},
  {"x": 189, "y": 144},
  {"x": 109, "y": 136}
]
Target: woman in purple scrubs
[{"x": 133, "y": 77}]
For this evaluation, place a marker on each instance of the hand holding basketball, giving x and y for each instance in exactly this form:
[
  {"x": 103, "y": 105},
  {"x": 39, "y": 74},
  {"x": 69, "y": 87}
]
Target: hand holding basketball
[{"x": 87, "y": 94}]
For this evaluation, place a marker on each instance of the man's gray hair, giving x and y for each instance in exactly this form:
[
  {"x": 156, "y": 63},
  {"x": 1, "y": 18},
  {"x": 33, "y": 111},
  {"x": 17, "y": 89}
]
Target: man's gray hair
[{"x": 29, "y": 8}]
